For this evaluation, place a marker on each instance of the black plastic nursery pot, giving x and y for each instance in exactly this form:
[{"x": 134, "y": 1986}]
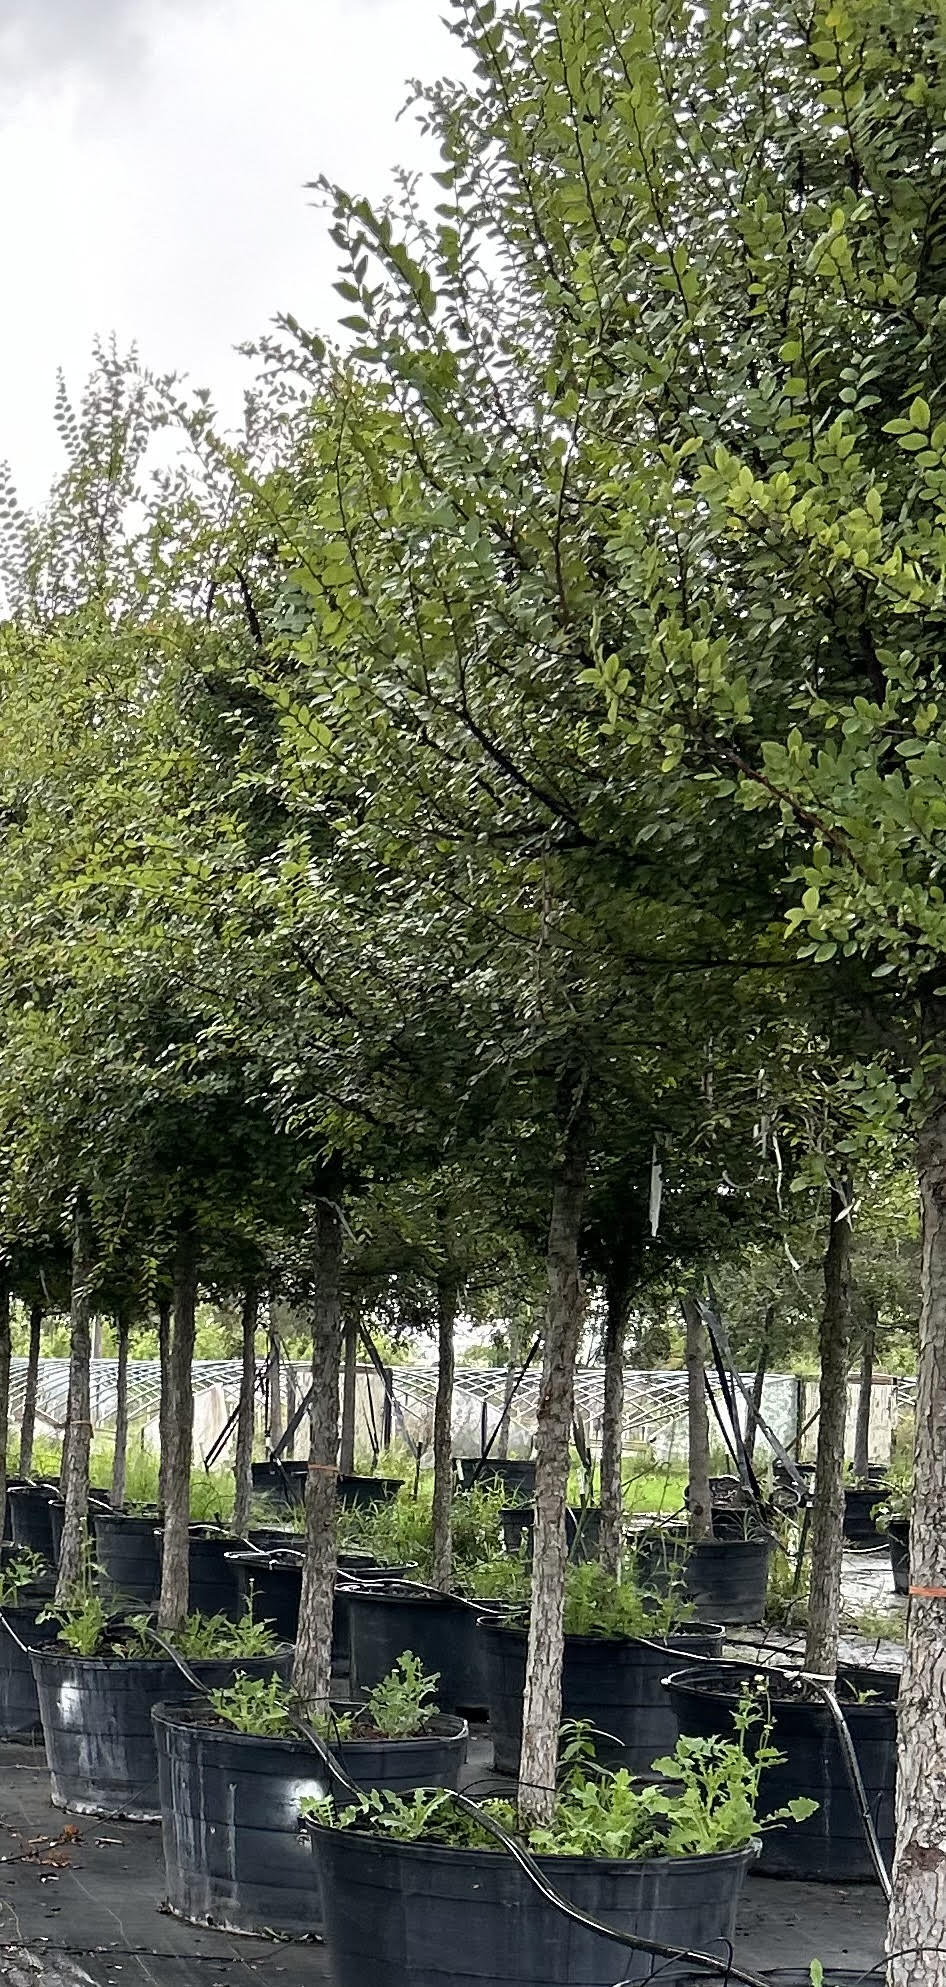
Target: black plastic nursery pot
[
  {"x": 515, "y": 1475},
  {"x": 830, "y": 1847},
  {"x": 582, "y": 1530},
  {"x": 860, "y": 1502},
  {"x": 800, "y": 1976},
  {"x": 439, "y": 1915},
  {"x": 269, "y": 1585},
  {"x": 127, "y": 1557},
  {"x": 214, "y": 1587},
  {"x": 440, "y": 1629},
  {"x": 96, "y": 1719},
  {"x": 615, "y": 1683},
  {"x": 19, "y": 1633},
  {"x": 725, "y": 1580},
  {"x": 31, "y": 1522},
  {"x": 233, "y": 1850},
  {"x": 277, "y": 1479},
  {"x": 359, "y": 1493},
  {"x": 898, "y": 1539},
  {"x": 345, "y": 1586}
]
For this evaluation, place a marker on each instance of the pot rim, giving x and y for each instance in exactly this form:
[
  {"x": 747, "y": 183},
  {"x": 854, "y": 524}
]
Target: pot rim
[
  {"x": 166, "y": 1712},
  {"x": 697, "y": 1633},
  {"x": 439, "y": 1851},
  {"x": 694, "y": 1682},
  {"x": 125, "y": 1663}
]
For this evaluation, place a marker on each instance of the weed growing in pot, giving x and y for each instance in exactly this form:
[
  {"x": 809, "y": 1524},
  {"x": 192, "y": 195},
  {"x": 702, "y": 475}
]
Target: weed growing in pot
[
  {"x": 404, "y": 1701},
  {"x": 20, "y": 1572},
  {"x": 598, "y": 1604},
  {"x": 707, "y": 1804},
  {"x": 504, "y": 1576},
  {"x": 83, "y": 1622},
  {"x": 209, "y": 1636},
  {"x": 398, "y": 1532}
]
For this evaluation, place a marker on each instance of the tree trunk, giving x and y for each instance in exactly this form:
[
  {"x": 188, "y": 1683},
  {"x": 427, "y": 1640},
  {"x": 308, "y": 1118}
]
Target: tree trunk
[
  {"x": 312, "y": 1669},
  {"x": 164, "y": 1409},
  {"x": 612, "y": 1426},
  {"x": 754, "y": 1408},
  {"x": 246, "y": 1419},
  {"x": 542, "y": 1705},
  {"x": 346, "y": 1460},
  {"x": 78, "y": 1436},
  {"x": 827, "y": 1518},
  {"x": 918, "y": 1910},
  {"x": 4, "y": 1393},
  {"x": 274, "y": 1400},
  {"x": 864, "y": 1397},
  {"x": 28, "y": 1425},
  {"x": 120, "y": 1457},
  {"x": 448, "y": 1297},
  {"x": 699, "y": 1495},
  {"x": 500, "y": 1448},
  {"x": 179, "y": 1433}
]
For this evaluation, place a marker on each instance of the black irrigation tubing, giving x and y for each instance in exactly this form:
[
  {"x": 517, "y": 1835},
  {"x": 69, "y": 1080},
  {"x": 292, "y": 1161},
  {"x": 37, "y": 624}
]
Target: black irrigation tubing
[{"x": 848, "y": 1754}]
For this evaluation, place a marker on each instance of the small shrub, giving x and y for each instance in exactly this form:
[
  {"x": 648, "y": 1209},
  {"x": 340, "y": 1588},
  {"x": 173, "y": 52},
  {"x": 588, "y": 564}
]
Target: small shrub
[{"x": 403, "y": 1703}]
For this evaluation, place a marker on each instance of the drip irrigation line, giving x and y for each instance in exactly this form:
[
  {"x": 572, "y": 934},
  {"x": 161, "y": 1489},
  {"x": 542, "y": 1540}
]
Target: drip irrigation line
[{"x": 827, "y": 1691}]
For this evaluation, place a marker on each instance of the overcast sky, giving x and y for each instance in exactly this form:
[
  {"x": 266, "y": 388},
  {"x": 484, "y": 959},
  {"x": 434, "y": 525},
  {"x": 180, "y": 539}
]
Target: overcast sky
[{"x": 153, "y": 160}]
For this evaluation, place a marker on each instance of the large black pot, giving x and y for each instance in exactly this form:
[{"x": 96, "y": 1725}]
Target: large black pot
[
  {"x": 830, "y": 1846},
  {"x": 19, "y": 1633},
  {"x": 233, "y": 1852},
  {"x": 96, "y": 1718},
  {"x": 516, "y": 1475},
  {"x": 438, "y": 1915},
  {"x": 359, "y": 1493},
  {"x": 616, "y": 1684},
  {"x": 860, "y": 1526},
  {"x": 269, "y": 1584},
  {"x": 214, "y": 1586},
  {"x": 127, "y": 1557},
  {"x": 348, "y": 1582},
  {"x": 898, "y": 1537},
  {"x": 31, "y": 1519},
  {"x": 439, "y": 1628},
  {"x": 582, "y": 1530},
  {"x": 724, "y": 1580}
]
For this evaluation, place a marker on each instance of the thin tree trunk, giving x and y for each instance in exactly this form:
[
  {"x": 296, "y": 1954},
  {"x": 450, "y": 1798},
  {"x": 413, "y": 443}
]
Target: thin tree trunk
[
  {"x": 346, "y": 1460},
  {"x": 28, "y": 1425},
  {"x": 120, "y": 1457},
  {"x": 275, "y": 1420},
  {"x": 612, "y": 1426},
  {"x": 754, "y": 1408},
  {"x": 827, "y": 1518},
  {"x": 246, "y": 1419},
  {"x": 175, "y": 1566},
  {"x": 4, "y": 1393},
  {"x": 78, "y": 1436},
  {"x": 500, "y": 1448},
  {"x": 864, "y": 1397},
  {"x": 699, "y": 1494},
  {"x": 312, "y": 1669},
  {"x": 164, "y": 1409},
  {"x": 542, "y": 1704},
  {"x": 918, "y": 1910},
  {"x": 448, "y": 1297}
]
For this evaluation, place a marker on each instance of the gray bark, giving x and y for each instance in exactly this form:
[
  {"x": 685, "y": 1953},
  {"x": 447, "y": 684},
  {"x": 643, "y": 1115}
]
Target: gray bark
[
  {"x": 542, "y": 1705},
  {"x": 700, "y": 1501},
  {"x": 612, "y": 1427},
  {"x": 448, "y": 1297},
  {"x": 827, "y": 1519},
  {"x": 4, "y": 1392},
  {"x": 120, "y": 1456},
  {"x": 164, "y": 1408},
  {"x": 346, "y": 1459},
  {"x": 78, "y": 1436},
  {"x": 864, "y": 1396},
  {"x": 179, "y": 1435},
  {"x": 918, "y": 1909},
  {"x": 28, "y": 1425},
  {"x": 246, "y": 1419},
  {"x": 312, "y": 1669}
]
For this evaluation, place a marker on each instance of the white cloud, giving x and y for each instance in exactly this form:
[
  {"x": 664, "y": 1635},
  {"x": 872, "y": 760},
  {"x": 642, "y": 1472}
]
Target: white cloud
[{"x": 154, "y": 162}]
